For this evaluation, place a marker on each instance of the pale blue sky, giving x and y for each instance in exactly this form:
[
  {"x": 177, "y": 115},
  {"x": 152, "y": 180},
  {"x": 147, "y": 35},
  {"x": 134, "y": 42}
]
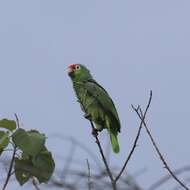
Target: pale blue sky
[{"x": 129, "y": 46}]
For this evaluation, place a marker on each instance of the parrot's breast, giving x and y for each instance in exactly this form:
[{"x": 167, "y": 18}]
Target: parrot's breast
[{"x": 91, "y": 106}]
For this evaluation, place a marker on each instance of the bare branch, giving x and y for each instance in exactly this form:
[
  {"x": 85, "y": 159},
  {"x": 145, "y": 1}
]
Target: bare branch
[
  {"x": 140, "y": 115},
  {"x": 164, "y": 179},
  {"x": 17, "y": 120},
  {"x": 89, "y": 175},
  {"x": 12, "y": 160},
  {"x": 10, "y": 169},
  {"x": 137, "y": 136},
  {"x": 103, "y": 156},
  {"x": 102, "y": 153}
]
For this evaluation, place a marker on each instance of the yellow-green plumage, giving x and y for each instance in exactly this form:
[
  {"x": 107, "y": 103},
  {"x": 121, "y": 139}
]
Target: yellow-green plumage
[{"x": 96, "y": 103}]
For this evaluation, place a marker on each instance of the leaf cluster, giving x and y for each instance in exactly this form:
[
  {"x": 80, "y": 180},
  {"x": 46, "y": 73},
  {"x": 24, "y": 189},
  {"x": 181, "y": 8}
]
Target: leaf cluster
[{"x": 33, "y": 158}]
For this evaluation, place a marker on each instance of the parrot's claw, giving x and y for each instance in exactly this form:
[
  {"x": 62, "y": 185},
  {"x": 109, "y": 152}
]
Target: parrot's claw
[
  {"x": 87, "y": 116},
  {"x": 95, "y": 132}
]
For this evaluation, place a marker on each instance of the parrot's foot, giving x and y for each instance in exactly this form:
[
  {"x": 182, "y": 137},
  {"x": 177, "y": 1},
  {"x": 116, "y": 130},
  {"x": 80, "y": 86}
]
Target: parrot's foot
[
  {"x": 95, "y": 132},
  {"x": 87, "y": 116}
]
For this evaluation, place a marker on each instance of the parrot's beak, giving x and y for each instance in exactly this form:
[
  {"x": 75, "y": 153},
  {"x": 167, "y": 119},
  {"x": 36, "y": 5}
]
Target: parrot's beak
[{"x": 71, "y": 69}]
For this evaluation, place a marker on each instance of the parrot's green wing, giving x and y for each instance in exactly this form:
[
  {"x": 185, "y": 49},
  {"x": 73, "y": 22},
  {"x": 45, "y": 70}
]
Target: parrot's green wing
[{"x": 103, "y": 98}]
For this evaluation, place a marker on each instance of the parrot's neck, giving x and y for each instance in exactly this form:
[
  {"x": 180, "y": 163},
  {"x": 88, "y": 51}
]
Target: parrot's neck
[{"x": 82, "y": 79}]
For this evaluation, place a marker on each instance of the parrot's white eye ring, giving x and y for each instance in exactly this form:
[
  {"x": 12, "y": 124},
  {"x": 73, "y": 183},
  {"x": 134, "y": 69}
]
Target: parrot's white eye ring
[{"x": 77, "y": 67}]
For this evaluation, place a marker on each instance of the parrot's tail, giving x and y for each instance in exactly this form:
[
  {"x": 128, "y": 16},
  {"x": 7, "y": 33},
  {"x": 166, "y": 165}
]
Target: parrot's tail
[{"x": 114, "y": 142}]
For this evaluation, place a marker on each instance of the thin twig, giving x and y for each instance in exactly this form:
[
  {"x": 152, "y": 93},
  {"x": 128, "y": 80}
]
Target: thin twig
[
  {"x": 12, "y": 159},
  {"x": 165, "y": 179},
  {"x": 102, "y": 153},
  {"x": 103, "y": 157},
  {"x": 10, "y": 169},
  {"x": 137, "y": 136},
  {"x": 89, "y": 175},
  {"x": 35, "y": 184},
  {"x": 17, "y": 121},
  {"x": 140, "y": 115}
]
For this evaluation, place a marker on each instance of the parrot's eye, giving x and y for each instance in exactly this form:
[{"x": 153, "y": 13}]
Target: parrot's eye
[{"x": 77, "y": 67}]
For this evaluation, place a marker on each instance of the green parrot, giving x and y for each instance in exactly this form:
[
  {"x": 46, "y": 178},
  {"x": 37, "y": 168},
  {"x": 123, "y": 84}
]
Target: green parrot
[{"x": 95, "y": 102}]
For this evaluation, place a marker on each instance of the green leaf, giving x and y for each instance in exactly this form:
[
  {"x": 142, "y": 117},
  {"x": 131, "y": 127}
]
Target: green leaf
[
  {"x": 31, "y": 142},
  {"x": 41, "y": 167},
  {"x": 21, "y": 170},
  {"x": 8, "y": 124},
  {"x": 45, "y": 163},
  {"x": 4, "y": 139}
]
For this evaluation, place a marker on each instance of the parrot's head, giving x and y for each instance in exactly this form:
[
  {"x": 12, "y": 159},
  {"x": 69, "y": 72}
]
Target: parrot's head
[{"x": 78, "y": 72}]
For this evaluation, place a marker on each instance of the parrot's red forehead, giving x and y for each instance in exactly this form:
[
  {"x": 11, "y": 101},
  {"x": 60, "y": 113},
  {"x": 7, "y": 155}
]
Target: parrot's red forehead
[{"x": 72, "y": 66}]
